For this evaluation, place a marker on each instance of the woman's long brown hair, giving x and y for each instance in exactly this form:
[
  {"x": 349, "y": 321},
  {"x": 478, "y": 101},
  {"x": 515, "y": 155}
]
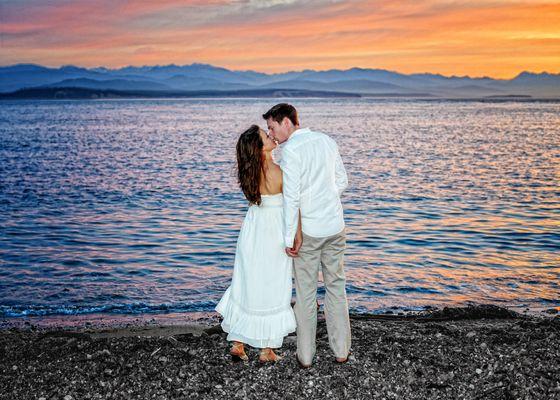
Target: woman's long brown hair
[{"x": 250, "y": 163}]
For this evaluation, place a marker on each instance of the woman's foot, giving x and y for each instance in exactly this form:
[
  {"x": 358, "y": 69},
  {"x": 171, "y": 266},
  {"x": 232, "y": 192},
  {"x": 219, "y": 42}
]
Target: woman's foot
[
  {"x": 268, "y": 355},
  {"x": 238, "y": 352}
]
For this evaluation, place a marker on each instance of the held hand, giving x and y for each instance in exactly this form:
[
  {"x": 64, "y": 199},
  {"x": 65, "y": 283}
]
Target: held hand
[
  {"x": 290, "y": 252},
  {"x": 294, "y": 250}
]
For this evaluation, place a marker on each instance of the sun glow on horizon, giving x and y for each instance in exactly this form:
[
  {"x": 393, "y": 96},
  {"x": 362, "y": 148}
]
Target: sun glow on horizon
[{"x": 498, "y": 38}]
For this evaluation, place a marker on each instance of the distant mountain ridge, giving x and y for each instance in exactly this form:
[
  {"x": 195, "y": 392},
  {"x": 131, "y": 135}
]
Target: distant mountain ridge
[{"x": 205, "y": 77}]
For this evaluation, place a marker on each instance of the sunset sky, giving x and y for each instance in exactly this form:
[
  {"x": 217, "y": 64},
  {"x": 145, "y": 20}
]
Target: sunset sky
[{"x": 497, "y": 38}]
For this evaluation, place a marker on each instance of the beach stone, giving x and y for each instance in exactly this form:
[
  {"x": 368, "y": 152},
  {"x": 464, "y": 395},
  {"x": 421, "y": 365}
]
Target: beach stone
[
  {"x": 471, "y": 334},
  {"x": 68, "y": 397},
  {"x": 522, "y": 360}
]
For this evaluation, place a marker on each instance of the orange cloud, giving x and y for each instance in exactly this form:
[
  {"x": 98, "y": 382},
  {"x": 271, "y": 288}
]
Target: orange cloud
[{"x": 494, "y": 38}]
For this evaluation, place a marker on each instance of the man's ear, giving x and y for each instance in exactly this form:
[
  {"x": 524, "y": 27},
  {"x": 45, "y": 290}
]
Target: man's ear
[{"x": 286, "y": 122}]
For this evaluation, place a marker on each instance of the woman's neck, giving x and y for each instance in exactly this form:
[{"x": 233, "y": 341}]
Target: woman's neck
[{"x": 268, "y": 157}]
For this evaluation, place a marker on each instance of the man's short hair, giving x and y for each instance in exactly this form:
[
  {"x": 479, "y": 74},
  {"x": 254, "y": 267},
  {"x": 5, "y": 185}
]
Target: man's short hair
[{"x": 281, "y": 111}]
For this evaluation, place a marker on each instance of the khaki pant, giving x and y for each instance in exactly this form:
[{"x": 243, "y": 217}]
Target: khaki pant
[{"x": 327, "y": 253}]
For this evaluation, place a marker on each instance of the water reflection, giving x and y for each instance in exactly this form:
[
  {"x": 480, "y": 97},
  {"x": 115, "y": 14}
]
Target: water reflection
[{"x": 132, "y": 206}]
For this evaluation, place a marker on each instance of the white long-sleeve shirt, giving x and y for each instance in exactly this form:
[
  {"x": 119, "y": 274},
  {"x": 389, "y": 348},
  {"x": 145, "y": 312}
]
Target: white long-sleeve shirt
[{"x": 313, "y": 180}]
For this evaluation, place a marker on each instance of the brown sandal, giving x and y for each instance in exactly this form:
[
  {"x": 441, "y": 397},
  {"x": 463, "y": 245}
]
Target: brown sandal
[
  {"x": 268, "y": 355},
  {"x": 237, "y": 352}
]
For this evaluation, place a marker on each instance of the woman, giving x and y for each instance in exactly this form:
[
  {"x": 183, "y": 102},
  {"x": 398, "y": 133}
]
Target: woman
[{"x": 256, "y": 307}]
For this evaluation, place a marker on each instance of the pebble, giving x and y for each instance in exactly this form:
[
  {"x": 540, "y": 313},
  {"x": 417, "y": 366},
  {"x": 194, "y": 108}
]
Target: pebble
[
  {"x": 68, "y": 397},
  {"x": 471, "y": 334},
  {"x": 380, "y": 374}
]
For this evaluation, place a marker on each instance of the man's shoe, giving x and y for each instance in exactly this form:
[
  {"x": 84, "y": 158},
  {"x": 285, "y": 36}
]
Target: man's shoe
[
  {"x": 343, "y": 360},
  {"x": 302, "y": 365}
]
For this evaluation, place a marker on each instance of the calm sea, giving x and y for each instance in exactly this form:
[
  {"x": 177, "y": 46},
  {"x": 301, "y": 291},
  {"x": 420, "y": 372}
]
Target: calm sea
[{"x": 132, "y": 206}]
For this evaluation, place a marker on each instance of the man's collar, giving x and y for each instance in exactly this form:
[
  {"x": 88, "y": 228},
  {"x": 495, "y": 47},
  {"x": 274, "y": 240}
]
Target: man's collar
[{"x": 298, "y": 132}]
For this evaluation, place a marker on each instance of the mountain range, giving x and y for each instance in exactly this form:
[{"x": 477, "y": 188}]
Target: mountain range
[{"x": 17, "y": 81}]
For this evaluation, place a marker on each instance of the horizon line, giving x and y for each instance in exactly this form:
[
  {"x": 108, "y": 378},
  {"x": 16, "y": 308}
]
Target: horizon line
[{"x": 283, "y": 72}]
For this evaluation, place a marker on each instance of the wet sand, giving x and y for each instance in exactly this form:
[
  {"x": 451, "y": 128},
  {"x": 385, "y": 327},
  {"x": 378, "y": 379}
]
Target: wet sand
[{"x": 478, "y": 352}]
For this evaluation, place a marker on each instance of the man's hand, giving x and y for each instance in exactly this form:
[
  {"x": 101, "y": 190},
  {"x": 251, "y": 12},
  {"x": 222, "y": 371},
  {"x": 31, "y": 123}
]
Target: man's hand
[
  {"x": 291, "y": 252},
  {"x": 294, "y": 250}
]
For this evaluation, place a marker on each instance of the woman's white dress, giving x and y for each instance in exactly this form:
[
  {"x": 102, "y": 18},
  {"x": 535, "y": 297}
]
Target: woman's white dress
[{"x": 256, "y": 307}]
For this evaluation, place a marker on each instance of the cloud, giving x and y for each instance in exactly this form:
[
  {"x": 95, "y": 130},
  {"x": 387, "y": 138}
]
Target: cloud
[{"x": 486, "y": 37}]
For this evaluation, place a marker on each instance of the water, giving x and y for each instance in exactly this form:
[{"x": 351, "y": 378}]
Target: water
[{"x": 131, "y": 206}]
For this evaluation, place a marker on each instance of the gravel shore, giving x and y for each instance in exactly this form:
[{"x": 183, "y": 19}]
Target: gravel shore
[{"x": 480, "y": 352}]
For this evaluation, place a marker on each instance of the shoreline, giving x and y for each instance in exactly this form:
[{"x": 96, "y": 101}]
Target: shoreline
[
  {"x": 120, "y": 321},
  {"x": 479, "y": 352}
]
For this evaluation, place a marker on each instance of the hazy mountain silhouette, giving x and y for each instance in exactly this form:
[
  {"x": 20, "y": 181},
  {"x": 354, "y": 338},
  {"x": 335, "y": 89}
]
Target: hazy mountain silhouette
[{"x": 203, "y": 77}]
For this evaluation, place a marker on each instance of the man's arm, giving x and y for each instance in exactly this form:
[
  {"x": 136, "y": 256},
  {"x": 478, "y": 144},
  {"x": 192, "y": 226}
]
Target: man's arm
[
  {"x": 291, "y": 188},
  {"x": 298, "y": 240},
  {"x": 341, "y": 178}
]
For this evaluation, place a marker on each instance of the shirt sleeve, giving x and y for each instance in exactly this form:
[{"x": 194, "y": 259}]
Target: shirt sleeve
[
  {"x": 291, "y": 188},
  {"x": 341, "y": 178}
]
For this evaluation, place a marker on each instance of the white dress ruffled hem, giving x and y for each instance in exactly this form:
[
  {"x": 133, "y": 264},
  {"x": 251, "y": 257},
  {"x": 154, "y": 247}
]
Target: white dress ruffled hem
[{"x": 257, "y": 329}]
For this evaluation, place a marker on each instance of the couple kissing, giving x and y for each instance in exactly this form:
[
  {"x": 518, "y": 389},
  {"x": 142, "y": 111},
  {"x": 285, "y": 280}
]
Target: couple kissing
[{"x": 294, "y": 227}]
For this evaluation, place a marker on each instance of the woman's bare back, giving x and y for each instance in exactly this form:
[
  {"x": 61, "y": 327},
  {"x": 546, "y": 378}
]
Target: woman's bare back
[{"x": 271, "y": 183}]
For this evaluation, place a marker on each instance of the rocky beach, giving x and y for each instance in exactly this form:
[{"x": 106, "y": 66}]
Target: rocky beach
[{"x": 475, "y": 352}]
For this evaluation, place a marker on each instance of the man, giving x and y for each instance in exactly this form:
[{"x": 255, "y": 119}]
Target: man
[{"x": 314, "y": 178}]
